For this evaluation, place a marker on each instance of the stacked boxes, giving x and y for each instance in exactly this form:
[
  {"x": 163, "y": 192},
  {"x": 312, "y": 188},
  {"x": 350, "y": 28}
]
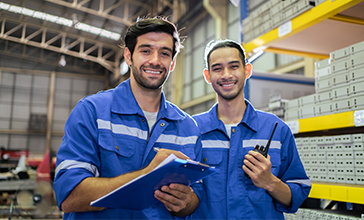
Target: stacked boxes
[
  {"x": 337, "y": 159},
  {"x": 339, "y": 85},
  {"x": 277, "y": 105},
  {"x": 272, "y": 14},
  {"x": 317, "y": 2}
]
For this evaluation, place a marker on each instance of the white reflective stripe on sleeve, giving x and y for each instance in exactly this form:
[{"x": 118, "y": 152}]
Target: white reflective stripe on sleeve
[
  {"x": 304, "y": 182},
  {"x": 215, "y": 144},
  {"x": 122, "y": 129},
  {"x": 70, "y": 164},
  {"x": 173, "y": 139},
  {"x": 254, "y": 142}
]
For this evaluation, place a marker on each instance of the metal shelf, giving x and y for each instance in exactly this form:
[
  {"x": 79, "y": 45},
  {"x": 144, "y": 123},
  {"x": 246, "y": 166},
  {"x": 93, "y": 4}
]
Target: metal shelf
[
  {"x": 14, "y": 185},
  {"x": 338, "y": 192},
  {"x": 330, "y": 26},
  {"x": 327, "y": 122}
]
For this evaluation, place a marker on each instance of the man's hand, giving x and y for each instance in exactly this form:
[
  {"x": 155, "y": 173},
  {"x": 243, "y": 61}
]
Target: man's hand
[
  {"x": 162, "y": 155},
  {"x": 259, "y": 169},
  {"x": 179, "y": 199}
]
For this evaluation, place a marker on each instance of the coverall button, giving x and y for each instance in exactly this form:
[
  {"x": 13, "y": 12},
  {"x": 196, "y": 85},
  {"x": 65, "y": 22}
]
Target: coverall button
[
  {"x": 162, "y": 124},
  {"x": 117, "y": 147}
]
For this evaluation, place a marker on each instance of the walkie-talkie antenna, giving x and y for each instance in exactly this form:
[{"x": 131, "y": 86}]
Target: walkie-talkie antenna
[{"x": 270, "y": 139}]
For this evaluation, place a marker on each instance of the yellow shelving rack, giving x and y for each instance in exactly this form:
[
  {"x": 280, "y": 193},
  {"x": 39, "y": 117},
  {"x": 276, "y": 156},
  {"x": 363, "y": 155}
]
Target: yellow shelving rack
[
  {"x": 332, "y": 191},
  {"x": 338, "y": 192},
  {"x": 312, "y": 32},
  {"x": 327, "y": 122},
  {"x": 330, "y": 26}
]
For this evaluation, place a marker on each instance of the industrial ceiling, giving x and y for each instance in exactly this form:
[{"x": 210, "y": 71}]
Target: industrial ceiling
[{"x": 85, "y": 33}]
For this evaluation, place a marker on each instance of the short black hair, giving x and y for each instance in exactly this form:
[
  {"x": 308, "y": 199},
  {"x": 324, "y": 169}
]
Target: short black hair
[
  {"x": 216, "y": 44},
  {"x": 156, "y": 24}
]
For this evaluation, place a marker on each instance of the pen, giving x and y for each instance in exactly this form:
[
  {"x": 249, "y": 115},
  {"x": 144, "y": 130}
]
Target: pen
[
  {"x": 197, "y": 163},
  {"x": 156, "y": 149}
]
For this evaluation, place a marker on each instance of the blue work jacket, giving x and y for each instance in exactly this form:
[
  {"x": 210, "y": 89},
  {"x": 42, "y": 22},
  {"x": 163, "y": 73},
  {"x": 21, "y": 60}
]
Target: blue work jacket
[
  {"x": 229, "y": 194},
  {"x": 107, "y": 135}
]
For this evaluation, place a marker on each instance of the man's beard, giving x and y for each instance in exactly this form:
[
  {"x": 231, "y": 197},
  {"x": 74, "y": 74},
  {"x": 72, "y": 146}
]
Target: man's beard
[
  {"x": 145, "y": 82},
  {"x": 228, "y": 96}
]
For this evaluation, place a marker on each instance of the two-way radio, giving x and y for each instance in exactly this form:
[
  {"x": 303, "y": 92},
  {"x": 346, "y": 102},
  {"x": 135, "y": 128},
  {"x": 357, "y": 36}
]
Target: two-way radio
[{"x": 260, "y": 149}]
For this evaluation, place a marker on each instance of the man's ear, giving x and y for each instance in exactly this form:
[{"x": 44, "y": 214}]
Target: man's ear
[
  {"x": 248, "y": 70},
  {"x": 127, "y": 56},
  {"x": 173, "y": 64},
  {"x": 206, "y": 74}
]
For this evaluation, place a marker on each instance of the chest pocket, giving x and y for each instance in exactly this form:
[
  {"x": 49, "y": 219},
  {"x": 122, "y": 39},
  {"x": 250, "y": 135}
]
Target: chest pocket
[
  {"x": 118, "y": 155},
  {"x": 215, "y": 184},
  {"x": 212, "y": 157}
]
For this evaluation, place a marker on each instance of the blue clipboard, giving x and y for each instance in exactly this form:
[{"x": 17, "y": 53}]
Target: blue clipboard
[{"x": 139, "y": 193}]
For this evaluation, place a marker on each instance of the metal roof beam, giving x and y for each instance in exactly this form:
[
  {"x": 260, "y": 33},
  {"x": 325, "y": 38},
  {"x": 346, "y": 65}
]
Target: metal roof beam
[
  {"x": 36, "y": 55},
  {"x": 105, "y": 13},
  {"x": 28, "y": 39}
]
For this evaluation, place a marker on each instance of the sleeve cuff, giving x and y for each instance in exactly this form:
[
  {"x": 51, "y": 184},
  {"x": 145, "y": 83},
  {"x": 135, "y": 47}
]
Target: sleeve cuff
[{"x": 66, "y": 181}]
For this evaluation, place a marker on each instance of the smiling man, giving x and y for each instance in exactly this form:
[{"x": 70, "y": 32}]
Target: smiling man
[
  {"x": 229, "y": 132},
  {"x": 110, "y": 136}
]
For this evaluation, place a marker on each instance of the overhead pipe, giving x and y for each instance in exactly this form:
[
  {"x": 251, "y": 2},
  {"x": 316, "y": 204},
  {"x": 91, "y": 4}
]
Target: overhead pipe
[{"x": 218, "y": 20}]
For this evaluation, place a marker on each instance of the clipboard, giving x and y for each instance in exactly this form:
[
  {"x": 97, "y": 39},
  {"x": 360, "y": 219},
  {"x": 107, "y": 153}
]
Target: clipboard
[{"x": 138, "y": 193}]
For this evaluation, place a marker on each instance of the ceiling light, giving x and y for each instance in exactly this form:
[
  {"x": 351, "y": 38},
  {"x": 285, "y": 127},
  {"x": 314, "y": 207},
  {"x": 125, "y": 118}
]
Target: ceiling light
[
  {"x": 15, "y": 9},
  {"x": 115, "y": 36},
  {"x": 28, "y": 12},
  {"x": 82, "y": 26},
  {"x": 4, "y": 6},
  {"x": 65, "y": 22},
  {"x": 61, "y": 21},
  {"x": 62, "y": 61},
  {"x": 51, "y": 18},
  {"x": 95, "y": 30},
  {"x": 105, "y": 33},
  {"x": 39, "y": 15}
]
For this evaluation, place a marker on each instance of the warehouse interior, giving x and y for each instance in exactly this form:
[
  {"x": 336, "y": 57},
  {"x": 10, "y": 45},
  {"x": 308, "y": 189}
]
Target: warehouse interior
[{"x": 308, "y": 69}]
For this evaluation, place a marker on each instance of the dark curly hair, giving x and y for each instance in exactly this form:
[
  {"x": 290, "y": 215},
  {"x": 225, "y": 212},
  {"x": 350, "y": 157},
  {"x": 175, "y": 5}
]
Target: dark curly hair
[{"x": 155, "y": 24}]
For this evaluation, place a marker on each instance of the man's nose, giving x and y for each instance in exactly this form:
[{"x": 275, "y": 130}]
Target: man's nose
[
  {"x": 154, "y": 58},
  {"x": 226, "y": 72}
]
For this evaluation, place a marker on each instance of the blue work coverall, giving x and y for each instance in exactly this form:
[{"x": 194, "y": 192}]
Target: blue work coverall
[
  {"x": 229, "y": 194},
  {"x": 107, "y": 135}
]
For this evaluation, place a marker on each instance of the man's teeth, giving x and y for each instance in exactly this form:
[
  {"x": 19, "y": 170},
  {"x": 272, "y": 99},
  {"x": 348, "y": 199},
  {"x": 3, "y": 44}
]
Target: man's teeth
[
  {"x": 154, "y": 72},
  {"x": 227, "y": 85}
]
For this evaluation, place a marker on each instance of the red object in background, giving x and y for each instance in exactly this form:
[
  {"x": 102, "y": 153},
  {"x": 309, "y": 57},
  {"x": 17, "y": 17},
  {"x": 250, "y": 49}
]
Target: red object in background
[
  {"x": 44, "y": 168},
  {"x": 12, "y": 154},
  {"x": 34, "y": 162}
]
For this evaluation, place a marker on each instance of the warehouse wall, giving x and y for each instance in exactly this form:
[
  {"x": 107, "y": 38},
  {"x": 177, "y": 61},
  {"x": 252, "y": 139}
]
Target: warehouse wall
[{"x": 24, "y": 105}]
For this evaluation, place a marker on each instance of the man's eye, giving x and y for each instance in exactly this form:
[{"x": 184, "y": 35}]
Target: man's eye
[
  {"x": 216, "y": 69},
  {"x": 234, "y": 67},
  {"x": 166, "y": 54}
]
